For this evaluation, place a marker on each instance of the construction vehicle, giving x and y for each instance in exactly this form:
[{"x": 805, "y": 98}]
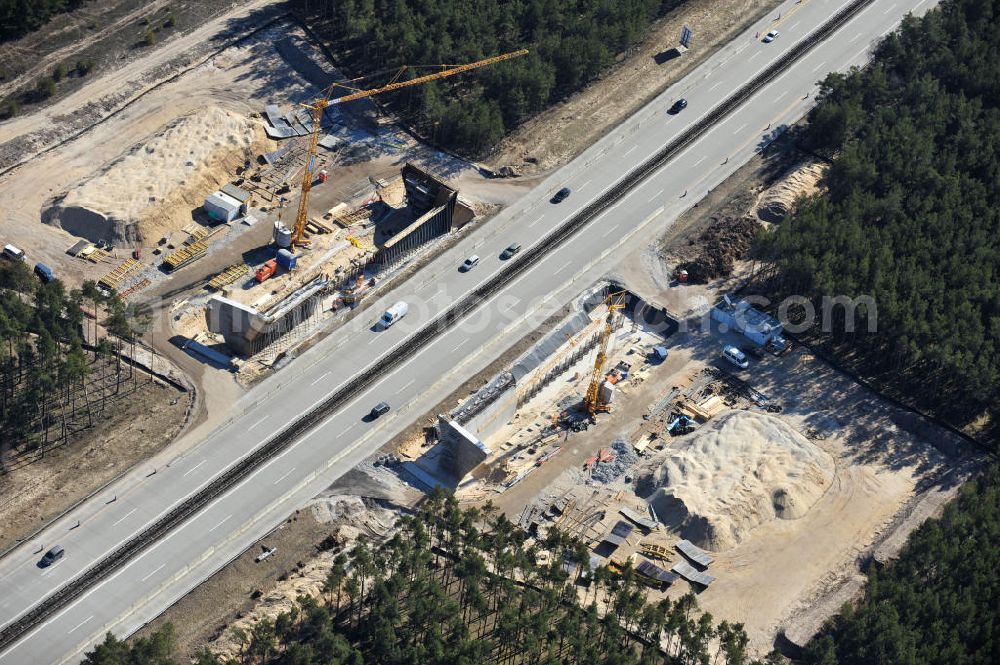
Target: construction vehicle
[
  {"x": 266, "y": 271},
  {"x": 592, "y": 402},
  {"x": 318, "y": 106}
]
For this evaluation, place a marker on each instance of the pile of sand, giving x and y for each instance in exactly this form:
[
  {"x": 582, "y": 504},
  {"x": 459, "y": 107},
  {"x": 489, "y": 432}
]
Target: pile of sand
[
  {"x": 776, "y": 201},
  {"x": 738, "y": 471},
  {"x": 153, "y": 189}
]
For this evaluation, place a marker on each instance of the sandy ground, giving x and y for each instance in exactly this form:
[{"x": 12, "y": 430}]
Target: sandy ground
[
  {"x": 363, "y": 502},
  {"x": 134, "y": 430},
  {"x": 737, "y": 472},
  {"x": 239, "y": 81}
]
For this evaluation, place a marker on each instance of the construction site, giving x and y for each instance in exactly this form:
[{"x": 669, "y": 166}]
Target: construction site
[
  {"x": 258, "y": 198},
  {"x": 253, "y": 223}
]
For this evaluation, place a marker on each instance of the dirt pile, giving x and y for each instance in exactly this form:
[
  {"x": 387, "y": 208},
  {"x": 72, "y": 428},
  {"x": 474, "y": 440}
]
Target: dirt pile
[
  {"x": 775, "y": 202},
  {"x": 726, "y": 241},
  {"x": 738, "y": 471},
  {"x": 153, "y": 189}
]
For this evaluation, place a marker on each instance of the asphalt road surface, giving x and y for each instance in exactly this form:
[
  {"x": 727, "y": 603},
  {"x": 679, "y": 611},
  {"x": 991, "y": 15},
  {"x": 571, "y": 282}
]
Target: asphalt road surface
[{"x": 146, "y": 585}]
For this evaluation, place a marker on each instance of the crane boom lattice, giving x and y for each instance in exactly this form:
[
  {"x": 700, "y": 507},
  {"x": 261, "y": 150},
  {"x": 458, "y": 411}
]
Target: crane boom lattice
[{"x": 318, "y": 106}]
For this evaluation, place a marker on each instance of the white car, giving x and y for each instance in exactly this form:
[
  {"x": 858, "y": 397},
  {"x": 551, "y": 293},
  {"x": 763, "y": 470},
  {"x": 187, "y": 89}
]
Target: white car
[
  {"x": 470, "y": 263},
  {"x": 736, "y": 357},
  {"x": 770, "y": 37}
]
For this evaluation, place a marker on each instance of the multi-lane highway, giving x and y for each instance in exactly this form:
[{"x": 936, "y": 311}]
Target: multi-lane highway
[{"x": 150, "y": 582}]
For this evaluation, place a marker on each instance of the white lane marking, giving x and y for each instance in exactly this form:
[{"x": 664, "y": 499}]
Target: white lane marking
[
  {"x": 257, "y": 423},
  {"x": 740, "y": 128},
  {"x": 586, "y": 183},
  {"x": 80, "y": 624},
  {"x": 629, "y": 151},
  {"x": 781, "y": 95},
  {"x": 405, "y": 386},
  {"x": 373, "y": 340},
  {"x": 891, "y": 7},
  {"x": 753, "y": 56},
  {"x": 284, "y": 476},
  {"x": 323, "y": 376},
  {"x": 153, "y": 572},
  {"x": 699, "y": 161},
  {"x": 124, "y": 517},
  {"x": 221, "y": 523},
  {"x": 819, "y": 66},
  {"x": 535, "y": 222},
  {"x": 194, "y": 468},
  {"x": 609, "y": 231},
  {"x": 854, "y": 38},
  {"x": 564, "y": 266},
  {"x": 460, "y": 344},
  {"x": 794, "y": 25},
  {"x": 655, "y": 196},
  {"x": 715, "y": 86}
]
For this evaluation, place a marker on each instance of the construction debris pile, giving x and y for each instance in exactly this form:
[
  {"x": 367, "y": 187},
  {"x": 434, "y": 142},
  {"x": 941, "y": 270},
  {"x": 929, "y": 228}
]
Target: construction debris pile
[
  {"x": 735, "y": 473},
  {"x": 611, "y": 464},
  {"x": 726, "y": 241}
]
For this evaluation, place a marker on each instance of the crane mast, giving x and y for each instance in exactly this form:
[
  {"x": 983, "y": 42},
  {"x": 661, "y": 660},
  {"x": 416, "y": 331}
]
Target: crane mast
[
  {"x": 318, "y": 106},
  {"x": 592, "y": 402}
]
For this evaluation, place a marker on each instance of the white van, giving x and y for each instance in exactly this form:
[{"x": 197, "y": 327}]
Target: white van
[
  {"x": 736, "y": 357},
  {"x": 13, "y": 253},
  {"x": 393, "y": 314}
]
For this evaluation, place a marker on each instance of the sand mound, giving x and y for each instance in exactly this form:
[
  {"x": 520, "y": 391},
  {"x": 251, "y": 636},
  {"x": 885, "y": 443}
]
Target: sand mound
[
  {"x": 153, "y": 189},
  {"x": 738, "y": 471},
  {"x": 776, "y": 202}
]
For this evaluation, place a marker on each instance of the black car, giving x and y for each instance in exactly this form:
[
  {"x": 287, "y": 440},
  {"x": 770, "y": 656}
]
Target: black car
[
  {"x": 51, "y": 557},
  {"x": 379, "y": 409},
  {"x": 511, "y": 250},
  {"x": 561, "y": 195},
  {"x": 678, "y": 106}
]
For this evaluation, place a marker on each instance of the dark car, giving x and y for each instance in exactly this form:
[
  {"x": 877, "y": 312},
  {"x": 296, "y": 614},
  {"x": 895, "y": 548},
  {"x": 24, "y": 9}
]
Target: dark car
[
  {"x": 51, "y": 557},
  {"x": 561, "y": 195},
  {"x": 379, "y": 409},
  {"x": 511, "y": 250},
  {"x": 678, "y": 106}
]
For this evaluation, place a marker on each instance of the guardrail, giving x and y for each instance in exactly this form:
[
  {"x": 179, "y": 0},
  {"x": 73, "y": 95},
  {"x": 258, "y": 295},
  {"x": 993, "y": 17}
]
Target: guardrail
[{"x": 102, "y": 569}]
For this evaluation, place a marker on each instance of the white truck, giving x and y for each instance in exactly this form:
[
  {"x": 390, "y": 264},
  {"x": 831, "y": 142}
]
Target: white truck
[{"x": 393, "y": 314}]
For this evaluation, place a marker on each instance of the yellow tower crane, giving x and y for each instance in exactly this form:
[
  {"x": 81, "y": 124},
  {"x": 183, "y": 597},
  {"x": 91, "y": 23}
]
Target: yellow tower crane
[
  {"x": 592, "y": 402},
  {"x": 298, "y": 233}
]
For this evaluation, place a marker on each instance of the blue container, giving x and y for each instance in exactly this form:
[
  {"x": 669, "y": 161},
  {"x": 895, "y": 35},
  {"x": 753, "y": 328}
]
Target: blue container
[
  {"x": 286, "y": 259},
  {"x": 44, "y": 272}
]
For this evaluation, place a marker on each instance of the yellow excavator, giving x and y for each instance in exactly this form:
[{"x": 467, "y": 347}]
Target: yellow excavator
[{"x": 318, "y": 106}]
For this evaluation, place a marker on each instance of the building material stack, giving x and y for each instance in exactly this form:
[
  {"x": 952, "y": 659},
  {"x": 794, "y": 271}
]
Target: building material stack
[{"x": 186, "y": 255}]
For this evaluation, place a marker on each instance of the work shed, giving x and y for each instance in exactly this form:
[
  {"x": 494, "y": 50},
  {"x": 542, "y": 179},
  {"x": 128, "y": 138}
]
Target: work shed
[
  {"x": 615, "y": 538},
  {"x": 223, "y": 207}
]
